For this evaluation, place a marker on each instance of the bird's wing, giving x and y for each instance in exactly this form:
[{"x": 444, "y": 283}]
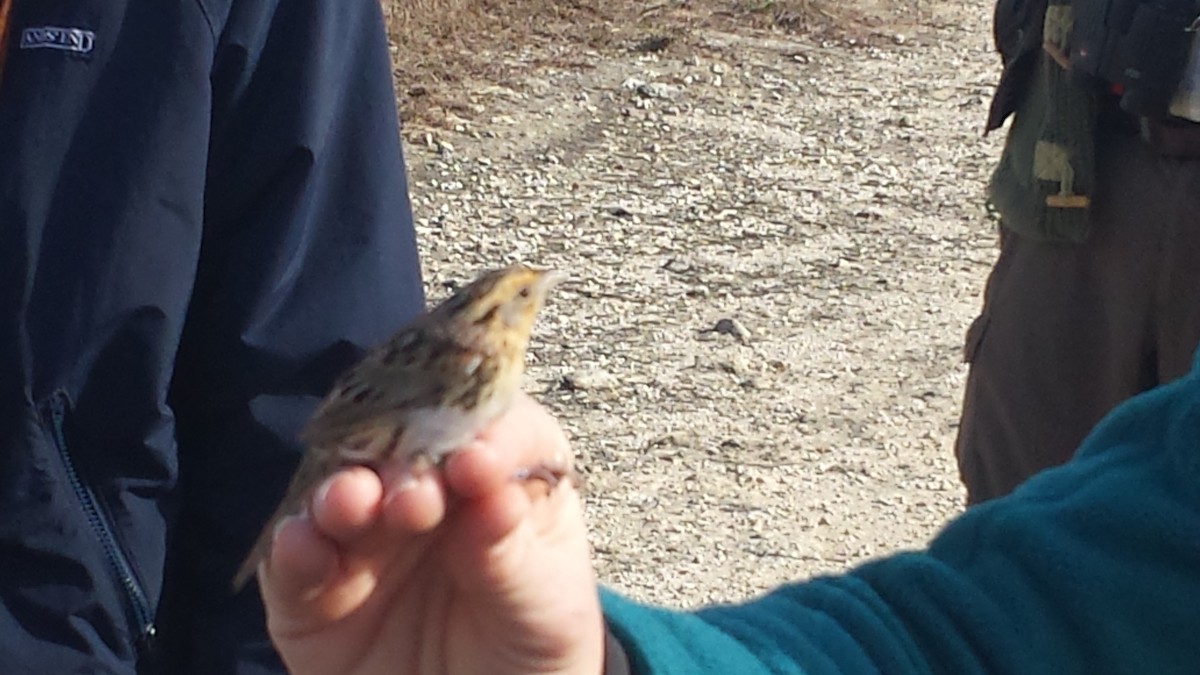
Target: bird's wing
[{"x": 410, "y": 371}]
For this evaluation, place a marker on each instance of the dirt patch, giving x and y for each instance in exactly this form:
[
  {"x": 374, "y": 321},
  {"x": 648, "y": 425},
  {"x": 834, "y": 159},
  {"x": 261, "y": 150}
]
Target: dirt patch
[
  {"x": 775, "y": 239},
  {"x": 447, "y": 50}
]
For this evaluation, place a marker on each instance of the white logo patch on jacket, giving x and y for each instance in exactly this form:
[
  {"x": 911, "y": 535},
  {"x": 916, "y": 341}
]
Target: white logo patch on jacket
[{"x": 74, "y": 40}]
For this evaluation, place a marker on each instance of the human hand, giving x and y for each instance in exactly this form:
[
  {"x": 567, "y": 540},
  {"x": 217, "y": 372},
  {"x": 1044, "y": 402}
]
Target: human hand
[{"x": 460, "y": 571}]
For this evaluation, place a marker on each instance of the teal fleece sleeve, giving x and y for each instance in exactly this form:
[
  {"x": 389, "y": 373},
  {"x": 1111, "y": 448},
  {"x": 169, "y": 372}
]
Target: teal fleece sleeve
[{"x": 1093, "y": 567}]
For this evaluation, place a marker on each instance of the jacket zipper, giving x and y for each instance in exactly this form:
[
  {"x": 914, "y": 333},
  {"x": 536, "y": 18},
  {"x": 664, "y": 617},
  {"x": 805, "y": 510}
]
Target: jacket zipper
[{"x": 102, "y": 528}]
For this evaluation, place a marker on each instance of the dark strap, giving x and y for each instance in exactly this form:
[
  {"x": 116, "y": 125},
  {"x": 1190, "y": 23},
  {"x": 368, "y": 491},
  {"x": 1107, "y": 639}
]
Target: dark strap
[
  {"x": 1017, "y": 31},
  {"x": 616, "y": 661}
]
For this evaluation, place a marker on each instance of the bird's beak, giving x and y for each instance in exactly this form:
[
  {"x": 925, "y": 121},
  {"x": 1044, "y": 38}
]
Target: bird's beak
[{"x": 548, "y": 280}]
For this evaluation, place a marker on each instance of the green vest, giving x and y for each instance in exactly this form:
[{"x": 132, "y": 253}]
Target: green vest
[{"x": 1047, "y": 171}]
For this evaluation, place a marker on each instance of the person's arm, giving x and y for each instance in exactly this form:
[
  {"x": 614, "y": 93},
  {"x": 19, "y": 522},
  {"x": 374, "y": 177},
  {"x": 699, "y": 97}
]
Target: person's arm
[
  {"x": 308, "y": 257},
  {"x": 1093, "y": 567}
]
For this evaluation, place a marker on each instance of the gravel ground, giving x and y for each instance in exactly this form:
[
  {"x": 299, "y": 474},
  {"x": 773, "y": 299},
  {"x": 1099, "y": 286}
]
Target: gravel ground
[{"x": 775, "y": 245}]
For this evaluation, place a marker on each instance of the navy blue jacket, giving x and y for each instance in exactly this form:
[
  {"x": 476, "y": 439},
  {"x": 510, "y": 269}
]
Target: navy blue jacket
[{"x": 203, "y": 219}]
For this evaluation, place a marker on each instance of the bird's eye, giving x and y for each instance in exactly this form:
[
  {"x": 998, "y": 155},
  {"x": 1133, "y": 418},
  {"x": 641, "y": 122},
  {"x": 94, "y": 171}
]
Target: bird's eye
[{"x": 525, "y": 291}]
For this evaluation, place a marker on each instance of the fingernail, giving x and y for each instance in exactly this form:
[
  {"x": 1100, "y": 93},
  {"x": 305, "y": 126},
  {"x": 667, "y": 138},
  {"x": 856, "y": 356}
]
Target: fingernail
[
  {"x": 302, "y": 515},
  {"x": 322, "y": 491},
  {"x": 408, "y": 481},
  {"x": 404, "y": 483},
  {"x": 278, "y": 528}
]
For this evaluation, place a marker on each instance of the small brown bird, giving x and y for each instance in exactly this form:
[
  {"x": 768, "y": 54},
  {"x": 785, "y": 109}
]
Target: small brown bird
[{"x": 424, "y": 393}]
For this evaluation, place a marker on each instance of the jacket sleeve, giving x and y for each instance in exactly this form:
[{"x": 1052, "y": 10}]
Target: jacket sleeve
[
  {"x": 1090, "y": 568},
  {"x": 308, "y": 258},
  {"x": 1017, "y": 31}
]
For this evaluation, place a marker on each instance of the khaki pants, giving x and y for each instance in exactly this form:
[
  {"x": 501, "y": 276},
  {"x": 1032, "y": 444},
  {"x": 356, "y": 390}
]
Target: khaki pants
[{"x": 1068, "y": 331}]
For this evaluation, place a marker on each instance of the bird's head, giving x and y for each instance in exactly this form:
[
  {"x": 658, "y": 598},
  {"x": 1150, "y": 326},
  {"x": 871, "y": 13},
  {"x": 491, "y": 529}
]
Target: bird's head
[{"x": 504, "y": 301}]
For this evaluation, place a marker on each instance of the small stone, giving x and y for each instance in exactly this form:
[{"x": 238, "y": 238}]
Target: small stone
[
  {"x": 655, "y": 43},
  {"x": 733, "y": 327},
  {"x": 633, "y": 84},
  {"x": 656, "y": 90},
  {"x": 618, "y": 211},
  {"x": 734, "y": 366},
  {"x": 587, "y": 379},
  {"x": 677, "y": 265}
]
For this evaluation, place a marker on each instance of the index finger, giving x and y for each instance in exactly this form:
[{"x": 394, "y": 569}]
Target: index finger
[{"x": 526, "y": 436}]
